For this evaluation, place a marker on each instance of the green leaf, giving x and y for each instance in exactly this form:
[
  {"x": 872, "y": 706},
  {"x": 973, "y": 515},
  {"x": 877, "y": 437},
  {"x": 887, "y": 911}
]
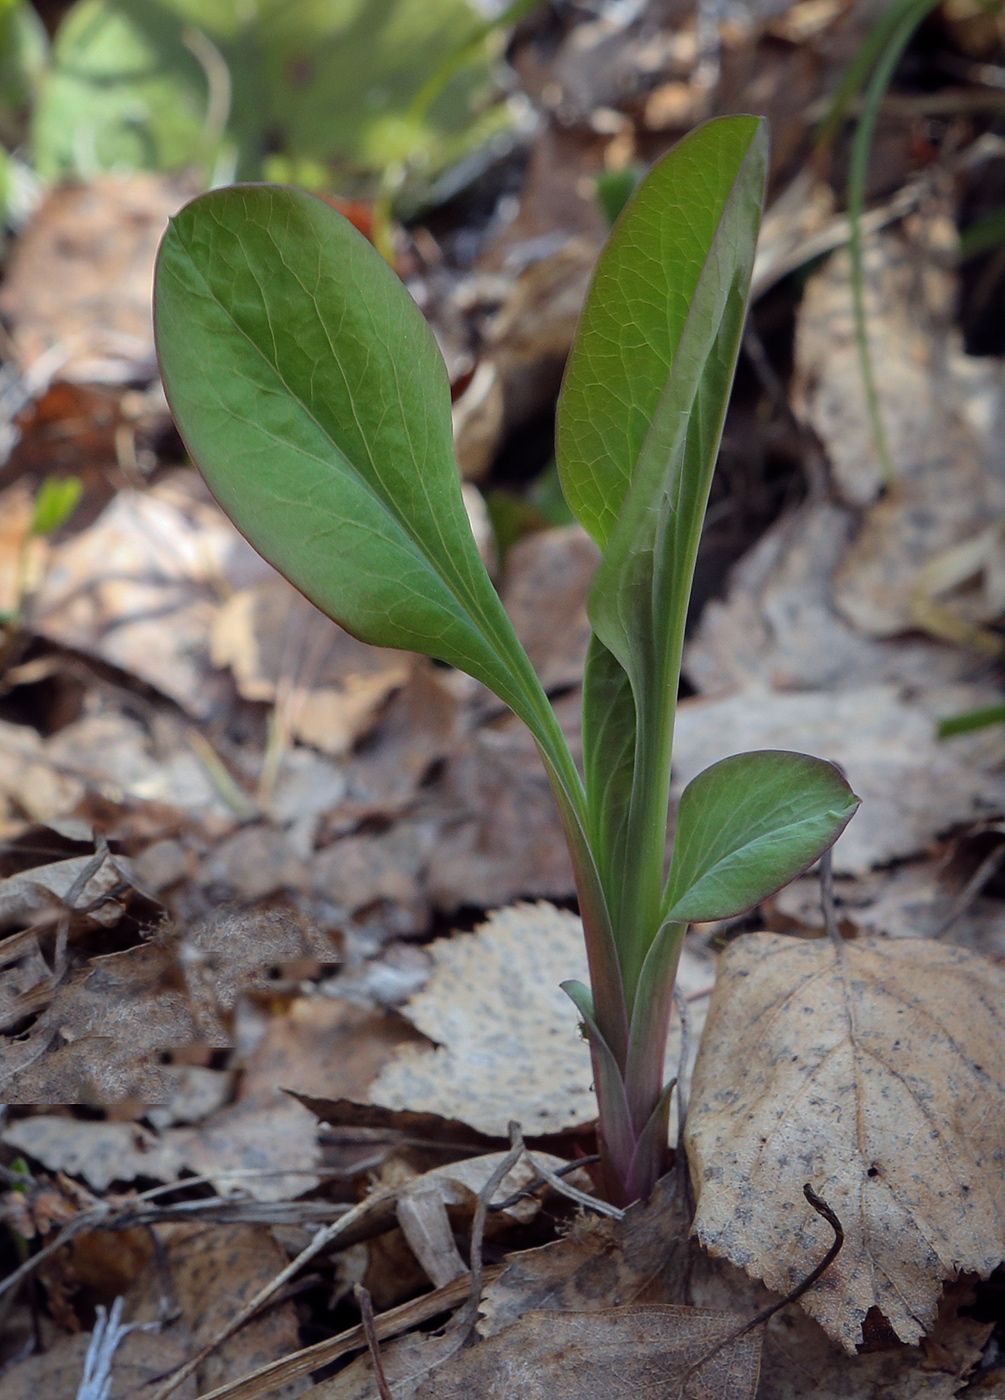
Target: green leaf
[
  {"x": 57, "y": 499},
  {"x": 636, "y": 311},
  {"x": 640, "y": 420},
  {"x": 748, "y": 825},
  {"x": 312, "y": 395}
]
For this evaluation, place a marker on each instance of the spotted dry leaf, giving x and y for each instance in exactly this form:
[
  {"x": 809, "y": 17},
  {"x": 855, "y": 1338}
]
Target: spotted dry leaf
[{"x": 875, "y": 1072}]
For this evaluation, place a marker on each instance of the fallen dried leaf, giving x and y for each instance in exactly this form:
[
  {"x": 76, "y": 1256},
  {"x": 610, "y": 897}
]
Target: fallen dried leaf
[
  {"x": 546, "y": 582},
  {"x": 282, "y": 650},
  {"x": 212, "y": 1273},
  {"x": 99, "y": 1152},
  {"x": 80, "y": 282},
  {"x": 140, "y": 588},
  {"x": 506, "y": 1033},
  {"x": 603, "y": 1355},
  {"x": 867, "y": 1071}
]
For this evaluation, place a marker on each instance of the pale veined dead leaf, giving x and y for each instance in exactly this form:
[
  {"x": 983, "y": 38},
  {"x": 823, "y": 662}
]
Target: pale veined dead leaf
[{"x": 875, "y": 1072}]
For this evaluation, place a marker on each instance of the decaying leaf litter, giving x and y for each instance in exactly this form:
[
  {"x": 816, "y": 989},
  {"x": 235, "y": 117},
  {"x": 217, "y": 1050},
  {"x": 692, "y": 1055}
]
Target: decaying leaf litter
[{"x": 239, "y": 846}]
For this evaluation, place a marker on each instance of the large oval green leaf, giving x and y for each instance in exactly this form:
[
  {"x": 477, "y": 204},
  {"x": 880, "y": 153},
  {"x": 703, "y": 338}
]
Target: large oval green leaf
[
  {"x": 748, "y": 825},
  {"x": 312, "y": 395}
]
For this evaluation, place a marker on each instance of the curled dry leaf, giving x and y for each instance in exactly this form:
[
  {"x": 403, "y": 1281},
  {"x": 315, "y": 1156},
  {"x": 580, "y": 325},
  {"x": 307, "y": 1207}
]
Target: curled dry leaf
[{"x": 872, "y": 1071}]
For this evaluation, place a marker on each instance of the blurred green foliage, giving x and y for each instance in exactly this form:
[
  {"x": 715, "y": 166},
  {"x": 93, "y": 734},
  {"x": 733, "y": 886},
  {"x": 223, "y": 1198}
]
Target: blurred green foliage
[{"x": 315, "y": 92}]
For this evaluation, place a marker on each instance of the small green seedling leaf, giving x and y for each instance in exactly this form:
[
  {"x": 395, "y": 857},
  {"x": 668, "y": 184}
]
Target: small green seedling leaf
[
  {"x": 57, "y": 499},
  {"x": 748, "y": 825}
]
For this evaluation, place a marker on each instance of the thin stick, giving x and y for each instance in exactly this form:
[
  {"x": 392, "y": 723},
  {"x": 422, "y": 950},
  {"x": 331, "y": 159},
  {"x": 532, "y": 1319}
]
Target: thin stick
[
  {"x": 274, "y": 1374},
  {"x": 827, "y": 899},
  {"x": 822, "y": 1208},
  {"x": 466, "y": 1317},
  {"x": 540, "y": 1181},
  {"x": 564, "y": 1188},
  {"x": 686, "y": 1034},
  {"x": 362, "y": 1296},
  {"x": 988, "y": 867}
]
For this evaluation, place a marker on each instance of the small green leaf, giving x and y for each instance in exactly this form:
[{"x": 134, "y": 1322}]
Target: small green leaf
[
  {"x": 56, "y": 501},
  {"x": 748, "y": 825}
]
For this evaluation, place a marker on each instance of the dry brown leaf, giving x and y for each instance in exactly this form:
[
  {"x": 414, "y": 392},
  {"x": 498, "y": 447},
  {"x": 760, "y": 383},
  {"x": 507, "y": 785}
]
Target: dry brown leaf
[
  {"x": 140, "y": 589},
  {"x": 777, "y": 627},
  {"x": 939, "y": 409},
  {"x": 281, "y": 648},
  {"x": 800, "y": 1362},
  {"x": 912, "y": 786},
  {"x": 600, "y": 1355},
  {"x": 31, "y": 785},
  {"x": 545, "y": 585},
  {"x": 506, "y": 1034},
  {"x": 325, "y": 1047},
  {"x": 213, "y": 1272},
  {"x": 99, "y": 1152},
  {"x": 419, "y": 726},
  {"x": 600, "y": 1263},
  {"x": 23, "y": 895},
  {"x": 80, "y": 283},
  {"x": 503, "y": 840},
  {"x": 871, "y": 1072}
]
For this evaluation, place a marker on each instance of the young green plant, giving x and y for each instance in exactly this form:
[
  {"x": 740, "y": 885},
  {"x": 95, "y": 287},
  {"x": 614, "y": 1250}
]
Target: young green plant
[{"x": 311, "y": 393}]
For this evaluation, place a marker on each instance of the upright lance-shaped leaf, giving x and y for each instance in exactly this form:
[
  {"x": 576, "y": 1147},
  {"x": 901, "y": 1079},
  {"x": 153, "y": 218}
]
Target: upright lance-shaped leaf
[{"x": 639, "y": 424}]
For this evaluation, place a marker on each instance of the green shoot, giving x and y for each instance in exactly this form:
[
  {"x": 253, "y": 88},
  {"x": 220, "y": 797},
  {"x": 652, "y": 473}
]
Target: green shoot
[{"x": 313, "y": 397}]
